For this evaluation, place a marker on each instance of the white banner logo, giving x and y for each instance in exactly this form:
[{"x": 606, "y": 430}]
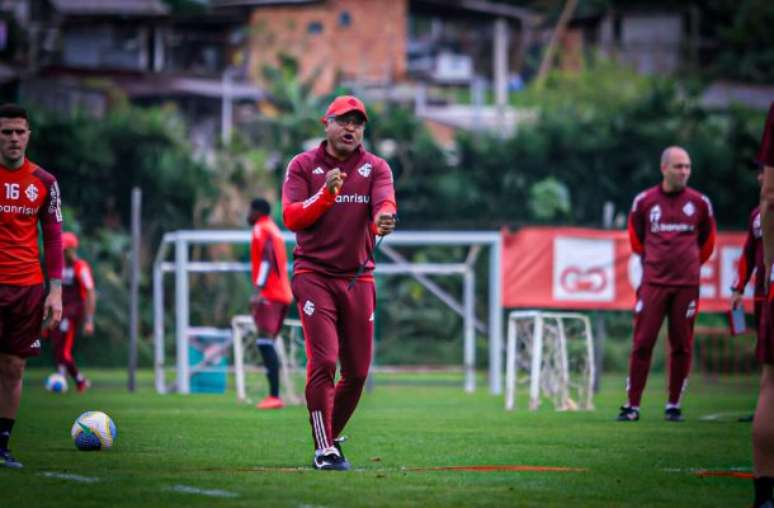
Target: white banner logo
[{"x": 583, "y": 269}]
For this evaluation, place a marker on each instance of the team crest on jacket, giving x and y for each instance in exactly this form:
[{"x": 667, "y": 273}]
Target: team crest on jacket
[
  {"x": 31, "y": 192},
  {"x": 365, "y": 170},
  {"x": 689, "y": 209},
  {"x": 308, "y": 308}
]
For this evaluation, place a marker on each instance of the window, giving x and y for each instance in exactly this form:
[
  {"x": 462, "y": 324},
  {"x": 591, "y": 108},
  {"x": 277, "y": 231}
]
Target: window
[
  {"x": 345, "y": 19},
  {"x": 314, "y": 27}
]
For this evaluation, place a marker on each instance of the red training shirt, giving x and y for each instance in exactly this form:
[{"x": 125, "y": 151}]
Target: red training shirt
[
  {"x": 29, "y": 195},
  {"x": 269, "y": 261},
  {"x": 77, "y": 281},
  {"x": 674, "y": 233}
]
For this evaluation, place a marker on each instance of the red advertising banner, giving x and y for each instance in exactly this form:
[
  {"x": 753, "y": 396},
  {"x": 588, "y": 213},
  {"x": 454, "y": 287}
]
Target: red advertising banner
[{"x": 578, "y": 268}]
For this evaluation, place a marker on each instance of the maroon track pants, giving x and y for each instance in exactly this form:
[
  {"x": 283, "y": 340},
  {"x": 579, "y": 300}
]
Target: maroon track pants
[
  {"x": 338, "y": 326},
  {"x": 679, "y": 305}
]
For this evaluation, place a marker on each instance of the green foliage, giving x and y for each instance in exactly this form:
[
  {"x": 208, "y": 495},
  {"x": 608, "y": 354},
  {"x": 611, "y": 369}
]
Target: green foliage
[
  {"x": 598, "y": 133},
  {"x": 549, "y": 200},
  {"x": 745, "y": 40},
  {"x": 97, "y": 162}
]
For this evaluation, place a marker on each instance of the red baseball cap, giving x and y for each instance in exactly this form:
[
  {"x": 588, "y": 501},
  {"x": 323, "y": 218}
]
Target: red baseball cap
[
  {"x": 344, "y": 104},
  {"x": 69, "y": 240}
]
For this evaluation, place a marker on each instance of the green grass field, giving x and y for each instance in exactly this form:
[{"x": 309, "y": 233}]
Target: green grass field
[{"x": 206, "y": 450}]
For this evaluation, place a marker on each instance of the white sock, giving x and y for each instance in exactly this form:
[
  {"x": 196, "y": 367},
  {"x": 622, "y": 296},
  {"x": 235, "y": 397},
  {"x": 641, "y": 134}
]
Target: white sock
[
  {"x": 327, "y": 451},
  {"x": 672, "y": 406}
]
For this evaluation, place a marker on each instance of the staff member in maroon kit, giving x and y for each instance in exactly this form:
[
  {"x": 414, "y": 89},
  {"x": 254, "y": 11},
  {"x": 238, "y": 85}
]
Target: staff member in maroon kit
[
  {"x": 763, "y": 421},
  {"x": 672, "y": 228},
  {"x": 751, "y": 261},
  {"x": 28, "y": 196},
  {"x": 337, "y": 197}
]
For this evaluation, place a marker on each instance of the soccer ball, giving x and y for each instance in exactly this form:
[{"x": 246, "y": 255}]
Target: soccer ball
[
  {"x": 56, "y": 383},
  {"x": 93, "y": 430}
]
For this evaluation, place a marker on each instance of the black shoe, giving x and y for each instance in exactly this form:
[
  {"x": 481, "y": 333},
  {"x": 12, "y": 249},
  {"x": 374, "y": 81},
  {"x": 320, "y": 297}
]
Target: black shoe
[
  {"x": 8, "y": 460},
  {"x": 628, "y": 414},
  {"x": 331, "y": 462},
  {"x": 673, "y": 414}
]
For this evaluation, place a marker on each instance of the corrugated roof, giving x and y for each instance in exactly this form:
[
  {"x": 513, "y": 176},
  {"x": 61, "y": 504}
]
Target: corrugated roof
[
  {"x": 110, "y": 7},
  {"x": 258, "y": 3}
]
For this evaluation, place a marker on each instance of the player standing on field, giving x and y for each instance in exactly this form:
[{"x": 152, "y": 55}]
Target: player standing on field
[
  {"x": 751, "y": 260},
  {"x": 763, "y": 421},
  {"x": 28, "y": 196},
  {"x": 672, "y": 228},
  {"x": 337, "y": 197},
  {"x": 271, "y": 298},
  {"x": 79, "y": 302}
]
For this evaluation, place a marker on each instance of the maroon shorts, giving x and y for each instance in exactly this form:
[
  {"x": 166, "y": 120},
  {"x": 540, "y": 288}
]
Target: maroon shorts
[
  {"x": 268, "y": 317},
  {"x": 63, "y": 336},
  {"x": 21, "y": 317},
  {"x": 764, "y": 348}
]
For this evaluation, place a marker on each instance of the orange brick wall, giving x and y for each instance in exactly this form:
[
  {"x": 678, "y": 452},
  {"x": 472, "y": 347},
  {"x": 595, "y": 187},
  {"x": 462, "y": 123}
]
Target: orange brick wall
[{"x": 372, "y": 47}]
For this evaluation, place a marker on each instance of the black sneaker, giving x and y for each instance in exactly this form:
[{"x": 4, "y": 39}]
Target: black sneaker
[
  {"x": 673, "y": 414},
  {"x": 628, "y": 414},
  {"x": 331, "y": 462},
  {"x": 8, "y": 460}
]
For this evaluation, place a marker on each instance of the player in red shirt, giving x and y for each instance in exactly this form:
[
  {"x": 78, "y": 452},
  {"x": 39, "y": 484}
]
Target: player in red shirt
[
  {"x": 29, "y": 196},
  {"x": 337, "y": 197},
  {"x": 79, "y": 301},
  {"x": 672, "y": 228},
  {"x": 272, "y": 296},
  {"x": 763, "y": 421}
]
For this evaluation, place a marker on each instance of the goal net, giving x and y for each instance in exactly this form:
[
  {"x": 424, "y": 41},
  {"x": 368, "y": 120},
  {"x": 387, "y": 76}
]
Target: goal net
[
  {"x": 552, "y": 353},
  {"x": 249, "y": 378}
]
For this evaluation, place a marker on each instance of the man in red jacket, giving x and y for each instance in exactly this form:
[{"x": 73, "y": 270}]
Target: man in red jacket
[
  {"x": 337, "y": 198},
  {"x": 29, "y": 196},
  {"x": 672, "y": 228},
  {"x": 272, "y": 295}
]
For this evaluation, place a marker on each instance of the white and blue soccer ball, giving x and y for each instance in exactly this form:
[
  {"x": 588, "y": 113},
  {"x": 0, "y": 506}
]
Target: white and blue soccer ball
[
  {"x": 56, "y": 383},
  {"x": 93, "y": 430}
]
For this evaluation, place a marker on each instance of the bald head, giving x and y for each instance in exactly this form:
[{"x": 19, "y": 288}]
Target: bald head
[
  {"x": 675, "y": 168},
  {"x": 670, "y": 151}
]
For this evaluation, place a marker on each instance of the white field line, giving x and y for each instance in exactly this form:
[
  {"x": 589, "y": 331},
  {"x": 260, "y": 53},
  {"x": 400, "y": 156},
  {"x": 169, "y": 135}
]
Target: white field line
[
  {"x": 719, "y": 416},
  {"x": 736, "y": 469},
  {"x": 68, "y": 476},
  {"x": 187, "y": 489}
]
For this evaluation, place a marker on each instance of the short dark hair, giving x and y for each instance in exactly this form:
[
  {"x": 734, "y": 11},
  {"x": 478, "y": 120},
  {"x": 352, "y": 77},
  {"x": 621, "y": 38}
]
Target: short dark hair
[
  {"x": 11, "y": 110},
  {"x": 261, "y": 206}
]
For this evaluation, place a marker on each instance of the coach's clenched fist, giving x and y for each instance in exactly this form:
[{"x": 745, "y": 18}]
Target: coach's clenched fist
[{"x": 334, "y": 179}]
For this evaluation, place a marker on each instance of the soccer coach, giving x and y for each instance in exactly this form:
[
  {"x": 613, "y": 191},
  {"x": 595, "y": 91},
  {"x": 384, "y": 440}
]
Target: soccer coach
[
  {"x": 336, "y": 198},
  {"x": 672, "y": 228}
]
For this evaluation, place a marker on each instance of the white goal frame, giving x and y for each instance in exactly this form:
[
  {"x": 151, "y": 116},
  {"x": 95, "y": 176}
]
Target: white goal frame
[
  {"x": 287, "y": 363},
  {"x": 179, "y": 243},
  {"x": 537, "y": 344}
]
